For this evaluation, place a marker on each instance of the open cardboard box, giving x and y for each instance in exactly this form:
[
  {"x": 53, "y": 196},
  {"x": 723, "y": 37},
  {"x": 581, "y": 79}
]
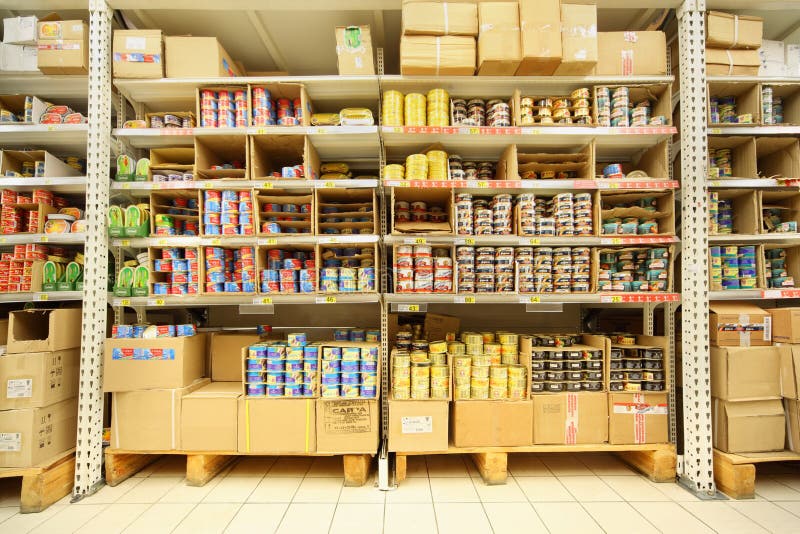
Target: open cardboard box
[
  {"x": 215, "y": 150},
  {"x": 171, "y": 159},
  {"x": 513, "y": 163},
  {"x": 596, "y": 221},
  {"x": 180, "y": 114},
  {"x": 588, "y": 342},
  {"x": 792, "y": 264},
  {"x": 790, "y": 93},
  {"x": 202, "y": 275},
  {"x": 647, "y": 342},
  {"x": 350, "y": 203},
  {"x": 787, "y": 202},
  {"x": 11, "y": 160},
  {"x": 161, "y": 203},
  {"x": 43, "y": 209},
  {"x": 262, "y": 264},
  {"x": 760, "y": 281},
  {"x": 43, "y": 330},
  {"x": 778, "y": 157},
  {"x": 743, "y": 155},
  {"x": 397, "y": 289},
  {"x": 303, "y": 222},
  {"x": 292, "y": 91},
  {"x": 269, "y": 153},
  {"x": 516, "y": 108},
  {"x": 432, "y": 197},
  {"x": 746, "y": 215},
  {"x": 597, "y": 252},
  {"x": 216, "y": 88},
  {"x": 653, "y": 161},
  {"x": 659, "y": 95},
  {"x": 161, "y": 276},
  {"x": 664, "y": 214},
  {"x": 748, "y": 99},
  {"x": 202, "y": 208},
  {"x": 322, "y": 251},
  {"x": 16, "y": 105}
]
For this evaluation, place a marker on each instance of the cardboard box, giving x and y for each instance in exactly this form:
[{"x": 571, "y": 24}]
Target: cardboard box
[
  {"x": 12, "y": 160},
  {"x": 418, "y": 425},
  {"x": 63, "y": 47},
  {"x": 792, "y": 414},
  {"x": 38, "y": 379},
  {"x": 732, "y": 62},
  {"x": 743, "y": 156},
  {"x": 748, "y": 426},
  {"x": 437, "y": 326},
  {"x": 631, "y": 53},
  {"x": 440, "y": 18},
  {"x": 3, "y": 332},
  {"x": 209, "y": 420},
  {"x": 724, "y": 30},
  {"x": 778, "y": 156},
  {"x": 275, "y": 426},
  {"x": 34, "y": 435},
  {"x": 570, "y": 418},
  {"x": 138, "y": 54},
  {"x": 772, "y": 55},
  {"x": 792, "y": 60},
  {"x": 578, "y": 40},
  {"x": 149, "y": 420},
  {"x": 635, "y": 418},
  {"x": 448, "y": 55},
  {"x": 161, "y": 363},
  {"x": 790, "y": 378},
  {"x": 20, "y": 30},
  {"x": 348, "y": 426},
  {"x": 785, "y": 325},
  {"x": 540, "y": 33},
  {"x": 491, "y": 423},
  {"x": 197, "y": 57},
  {"x": 44, "y": 330},
  {"x": 354, "y": 51},
  {"x": 225, "y": 350},
  {"x": 499, "y": 46},
  {"x": 18, "y": 58},
  {"x": 432, "y": 197},
  {"x": 739, "y": 324},
  {"x": 739, "y": 373}
]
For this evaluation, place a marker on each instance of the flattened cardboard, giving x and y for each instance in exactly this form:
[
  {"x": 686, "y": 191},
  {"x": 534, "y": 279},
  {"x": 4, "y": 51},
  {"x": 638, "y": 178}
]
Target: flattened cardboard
[
  {"x": 270, "y": 426},
  {"x": 209, "y": 417},
  {"x": 44, "y": 330},
  {"x": 34, "y": 435},
  {"x": 138, "y": 54},
  {"x": 748, "y": 426},
  {"x": 745, "y": 373},
  {"x": 578, "y": 40},
  {"x": 540, "y": 27},
  {"x": 12, "y": 160},
  {"x": 739, "y": 324},
  {"x": 570, "y": 418},
  {"x": 487, "y": 423},
  {"x": 636, "y": 418},
  {"x": 198, "y": 57},
  {"x": 418, "y": 425},
  {"x": 161, "y": 363},
  {"x": 631, "y": 53},
  {"x": 37, "y": 379},
  {"x": 785, "y": 325},
  {"x": 348, "y": 426},
  {"x": 724, "y": 30},
  {"x": 448, "y": 55},
  {"x": 149, "y": 420},
  {"x": 225, "y": 350},
  {"x": 440, "y": 18}
]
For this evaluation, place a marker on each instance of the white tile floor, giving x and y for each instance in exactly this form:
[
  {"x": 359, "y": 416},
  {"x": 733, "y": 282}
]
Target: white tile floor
[{"x": 545, "y": 493}]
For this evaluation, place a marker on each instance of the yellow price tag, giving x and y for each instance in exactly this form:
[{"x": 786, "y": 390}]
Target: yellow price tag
[
  {"x": 216, "y": 241},
  {"x": 420, "y": 241},
  {"x": 322, "y": 131},
  {"x": 51, "y": 128},
  {"x": 535, "y": 241},
  {"x": 44, "y": 239},
  {"x": 616, "y": 299},
  {"x": 266, "y": 300},
  {"x": 329, "y": 184},
  {"x": 208, "y": 185},
  {"x": 126, "y": 243},
  {"x": 330, "y": 299},
  {"x": 162, "y": 242},
  {"x": 403, "y": 184},
  {"x": 715, "y": 131},
  {"x": 158, "y": 302},
  {"x": 469, "y": 300},
  {"x": 126, "y": 185},
  {"x": 469, "y": 241},
  {"x": 474, "y": 131},
  {"x": 413, "y": 307},
  {"x": 616, "y": 241},
  {"x": 261, "y": 131},
  {"x": 42, "y": 296},
  {"x": 272, "y": 241},
  {"x": 3, "y": 240},
  {"x": 125, "y": 302},
  {"x": 267, "y": 185},
  {"x": 535, "y": 300},
  {"x": 483, "y": 185}
]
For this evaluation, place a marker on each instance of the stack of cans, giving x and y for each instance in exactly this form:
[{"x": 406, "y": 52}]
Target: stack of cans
[
  {"x": 720, "y": 164},
  {"x": 774, "y": 221},
  {"x": 416, "y": 167},
  {"x": 464, "y": 214},
  {"x": 633, "y": 269},
  {"x": 227, "y": 212},
  {"x": 282, "y": 369},
  {"x": 566, "y": 369},
  {"x": 437, "y": 165},
  {"x": 470, "y": 170},
  {"x": 498, "y": 114},
  {"x": 223, "y": 109},
  {"x": 422, "y": 373},
  {"x": 486, "y": 366},
  {"x": 458, "y": 111},
  {"x": 766, "y": 105},
  {"x": 392, "y": 108},
  {"x": 264, "y": 113},
  {"x": 347, "y": 270},
  {"x": 274, "y": 215},
  {"x": 420, "y": 269},
  {"x": 554, "y": 270},
  {"x": 415, "y": 110},
  {"x": 289, "y": 271},
  {"x": 776, "y": 271},
  {"x": 438, "y": 108},
  {"x": 720, "y": 214},
  {"x": 603, "y": 103},
  {"x": 230, "y": 270},
  {"x": 350, "y": 372},
  {"x": 357, "y": 335},
  {"x": 186, "y": 225},
  {"x": 630, "y": 225},
  {"x": 636, "y": 369},
  {"x": 485, "y": 269},
  {"x": 565, "y": 214},
  {"x": 180, "y": 267}
]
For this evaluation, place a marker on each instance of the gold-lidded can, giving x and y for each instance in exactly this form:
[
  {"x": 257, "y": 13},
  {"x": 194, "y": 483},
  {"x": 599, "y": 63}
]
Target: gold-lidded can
[
  {"x": 440, "y": 393},
  {"x": 438, "y": 358},
  {"x": 421, "y": 393},
  {"x": 401, "y": 393},
  {"x": 488, "y": 337},
  {"x": 456, "y": 347},
  {"x": 462, "y": 391},
  {"x": 498, "y": 392},
  {"x": 437, "y": 346},
  {"x": 419, "y": 356},
  {"x": 481, "y": 371}
]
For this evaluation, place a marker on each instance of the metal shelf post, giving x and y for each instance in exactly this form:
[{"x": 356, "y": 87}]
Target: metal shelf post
[{"x": 697, "y": 465}]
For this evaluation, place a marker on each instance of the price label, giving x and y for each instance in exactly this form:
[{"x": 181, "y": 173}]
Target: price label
[
  {"x": 44, "y": 239},
  {"x": 155, "y": 302},
  {"x": 125, "y": 243},
  {"x": 403, "y": 184},
  {"x": 329, "y": 184},
  {"x": 263, "y": 300},
  {"x": 408, "y": 308},
  {"x": 535, "y": 241},
  {"x": 464, "y": 300},
  {"x": 52, "y": 128},
  {"x": 126, "y": 185},
  {"x": 261, "y": 131},
  {"x": 329, "y": 299},
  {"x": 613, "y": 299},
  {"x": 267, "y": 185},
  {"x": 3, "y": 240},
  {"x": 715, "y": 183},
  {"x": 715, "y": 130},
  {"x": 470, "y": 241},
  {"x": 329, "y": 240},
  {"x": 125, "y": 302},
  {"x": 208, "y": 185},
  {"x": 535, "y": 300},
  {"x": 415, "y": 241},
  {"x": 531, "y": 131},
  {"x": 474, "y": 131},
  {"x": 216, "y": 241},
  {"x": 271, "y": 241},
  {"x": 42, "y": 296},
  {"x": 161, "y": 242},
  {"x": 482, "y": 185},
  {"x": 322, "y": 131},
  {"x": 158, "y": 185}
]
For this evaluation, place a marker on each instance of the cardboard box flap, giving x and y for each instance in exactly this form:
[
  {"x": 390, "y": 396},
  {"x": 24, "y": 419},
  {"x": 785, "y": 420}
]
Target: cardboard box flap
[
  {"x": 758, "y": 408},
  {"x": 735, "y": 308},
  {"x": 218, "y": 389}
]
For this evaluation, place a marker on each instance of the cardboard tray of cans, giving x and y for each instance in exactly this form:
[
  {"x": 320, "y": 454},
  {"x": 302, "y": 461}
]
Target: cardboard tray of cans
[
  {"x": 562, "y": 214},
  {"x": 566, "y": 363},
  {"x": 574, "y": 109},
  {"x": 639, "y": 106},
  {"x": 736, "y": 267},
  {"x": 171, "y": 119},
  {"x": 421, "y": 374},
  {"x": 638, "y": 363},
  {"x": 240, "y": 106},
  {"x": 282, "y": 157},
  {"x": 171, "y": 164},
  {"x": 174, "y": 271},
  {"x": 421, "y": 211},
  {"x": 287, "y": 269},
  {"x": 280, "y": 212},
  {"x": 175, "y": 213},
  {"x": 423, "y": 269},
  {"x": 649, "y": 213},
  {"x": 348, "y": 269},
  {"x": 489, "y": 366},
  {"x": 346, "y": 212},
  {"x": 578, "y": 165},
  {"x": 634, "y": 269}
]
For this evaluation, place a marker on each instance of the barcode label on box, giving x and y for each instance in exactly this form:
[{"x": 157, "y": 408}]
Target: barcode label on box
[
  {"x": 19, "y": 389},
  {"x": 10, "y": 441},
  {"x": 421, "y": 424}
]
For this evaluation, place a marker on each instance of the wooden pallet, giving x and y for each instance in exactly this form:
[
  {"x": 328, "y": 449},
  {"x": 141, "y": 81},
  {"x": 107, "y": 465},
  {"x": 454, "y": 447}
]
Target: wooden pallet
[
  {"x": 656, "y": 461},
  {"x": 735, "y": 474},
  {"x": 203, "y": 466},
  {"x": 44, "y": 484}
]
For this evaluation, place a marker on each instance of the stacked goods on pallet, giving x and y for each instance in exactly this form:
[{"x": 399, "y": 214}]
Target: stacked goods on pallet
[
  {"x": 39, "y": 378},
  {"x": 732, "y": 43},
  {"x": 786, "y": 335}
]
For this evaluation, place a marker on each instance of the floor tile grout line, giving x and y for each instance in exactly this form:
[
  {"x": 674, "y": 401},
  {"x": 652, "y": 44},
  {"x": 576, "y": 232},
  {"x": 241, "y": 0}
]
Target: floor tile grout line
[
  {"x": 731, "y": 501},
  {"x": 239, "y": 509},
  {"x": 483, "y": 506},
  {"x": 184, "y": 517},
  {"x": 708, "y": 525},
  {"x": 430, "y": 489},
  {"x": 138, "y": 515},
  {"x": 103, "y": 509},
  {"x": 278, "y": 526},
  {"x": 778, "y": 504}
]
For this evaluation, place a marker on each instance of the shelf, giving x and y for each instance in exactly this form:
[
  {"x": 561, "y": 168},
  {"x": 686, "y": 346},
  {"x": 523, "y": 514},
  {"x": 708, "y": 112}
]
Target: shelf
[
  {"x": 755, "y": 238},
  {"x": 752, "y": 79},
  {"x": 241, "y": 300},
  {"x": 526, "y": 241},
  {"x": 63, "y": 89},
  {"x": 144, "y": 188},
  {"x": 541, "y": 298},
  {"x": 717, "y": 129},
  {"x": 315, "y": 5},
  {"x": 195, "y": 241},
  {"x": 71, "y": 184},
  {"x": 490, "y": 186},
  {"x": 49, "y": 239},
  {"x": 41, "y": 296},
  {"x": 735, "y": 183},
  {"x": 754, "y": 294},
  {"x": 68, "y": 139}
]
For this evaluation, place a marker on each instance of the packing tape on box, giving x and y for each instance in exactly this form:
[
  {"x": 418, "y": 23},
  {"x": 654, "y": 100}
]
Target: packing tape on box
[
  {"x": 639, "y": 409},
  {"x": 571, "y": 421},
  {"x": 735, "y": 31},
  {"x": 247, "y": 424},
  {"x": 446, "y": 22},
  {"x": 730, "y": 61},
  {"x": 438, "y": 53},
  {"x": 744, "y": 334}
]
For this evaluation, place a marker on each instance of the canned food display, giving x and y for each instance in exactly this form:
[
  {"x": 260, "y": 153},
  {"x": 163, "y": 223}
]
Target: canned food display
[
  {"x": 423, "y": 269},
  {"x": 288, "y": 271},
  {"x": 623, "y": 107},
  {"x": 285, "y": 369},
  {"x": 735, "y": 267},
  {"x": 353, "y": 214},
  {"x": 564, "y": 214},
  {"x": 229, "y": 270},
  {"x": 571, "y": 365},
  {"x": 347, "y": 270},
  {"x": 419, "y": 212},
  {"x": 175, "y": 271},
  {"x": 777, "y": 266},
  {"x": 278, "y": 215},
  {"x": 634, "y": 269},
  {"x": 551, "y": 110},
  {"x": 227, "y": 212},
  {"x": 640, "y": 367},
  {"x": 634, "y": 213}
]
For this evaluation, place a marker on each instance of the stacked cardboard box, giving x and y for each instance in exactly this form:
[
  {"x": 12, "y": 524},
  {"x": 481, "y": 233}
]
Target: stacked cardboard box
[
  {"x": 578, "y": 40},
  {"x": 63, "y": 46},
  {"x": 786, "y": 334},
  {"x": 747, "y": 414},
  {"x": 438, "y": 38},
  {"x": 499, "y": 45},
  {"x": 38, "y": 385},
  {"x": 540, "y": 32},
  {"x": 732, "y": 43},
  {"x": 18, "y": 49}
]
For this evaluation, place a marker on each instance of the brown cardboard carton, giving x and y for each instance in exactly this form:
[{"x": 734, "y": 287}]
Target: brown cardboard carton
[
  {"x": 631, "y": 53},
  {"x": 226, "y": 355},
  {"x": 63, "y": 47},
  {"x": 635, "y": 418},
  {"x": 448, "y": 55},
  {"x": 354, "y": 51},
  {"x": 739, "y": 324},
  {"x": 437, "y": 326},
  {"x": 3, "y": 332},
  {"x": 348, "y": 426},
  {"x": 790, "y": 377},
  {"x": 149, "y": 420},
  {"x": 34, "y": 435},
  {"x": 792, "y": 412},
  {"x": 748, "y": 426},
  {"x": 44, "y": 330},
  {"x": 161, "y": 363},
  {"x": 739, "y": 373},
  {"x": 491, "y": 423},
  {"x": 440, "y": 18},
  {"x": 209, "y": 419},
  {"x": 732, "y": 62},
  {"x": 38, "y": 379},
  {"x": 499, "y": 46},
  {"x": 724, "y": 30},
  {"x": 418, "y": 425},
  {"x": 570, "y": 418},
  {"x": 540, "y": 27},
  {"x": 578, "y": 40},
  {"x": 198, "y": 57},
  {"x": 138, "y": 54},
  {"x": 785, "y": 325},
  {"x": 271, "y": 426}
]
